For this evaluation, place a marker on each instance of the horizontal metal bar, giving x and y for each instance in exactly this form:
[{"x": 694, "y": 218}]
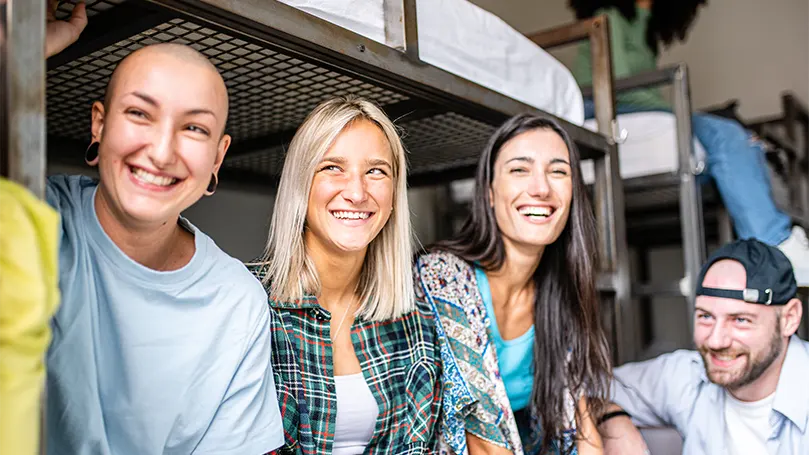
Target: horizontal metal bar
[
  {"x": 442, "y": 176},
  {"x": 567, "y": 33},
  {"x": 605, "y": 282},
  {"x": 647, "y": 79},
  {"x": 111, "y": 26},
  {"x": 400, "y": 112},
  {"x": 284, "y": 26},
  {"x": 660, "y": 289}
]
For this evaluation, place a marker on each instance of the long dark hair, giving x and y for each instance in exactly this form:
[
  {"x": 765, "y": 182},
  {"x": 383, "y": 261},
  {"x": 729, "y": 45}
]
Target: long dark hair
[
  {"x": 669, "y": 21},
  {"x": 570, "y": 350}
]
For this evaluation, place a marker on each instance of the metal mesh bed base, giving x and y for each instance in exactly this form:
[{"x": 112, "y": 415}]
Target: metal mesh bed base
[{"x": 271, "y": 91}]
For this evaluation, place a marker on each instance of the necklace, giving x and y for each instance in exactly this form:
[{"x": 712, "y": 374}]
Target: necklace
[{"x": 340, "y": 326}]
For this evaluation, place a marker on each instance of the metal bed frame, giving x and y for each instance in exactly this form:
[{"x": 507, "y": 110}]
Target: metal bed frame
[
  {"x": 673, "y": 208},
  {"x": 278, "y": 63}
]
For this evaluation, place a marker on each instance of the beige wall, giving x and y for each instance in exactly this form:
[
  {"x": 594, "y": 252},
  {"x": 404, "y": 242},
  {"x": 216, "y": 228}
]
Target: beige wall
[{"x": 746, "y": 49}]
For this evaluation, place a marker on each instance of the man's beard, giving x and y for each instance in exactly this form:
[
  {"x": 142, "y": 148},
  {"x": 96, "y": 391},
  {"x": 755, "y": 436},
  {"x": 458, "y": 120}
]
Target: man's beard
[{"x": 753, "y": 367}]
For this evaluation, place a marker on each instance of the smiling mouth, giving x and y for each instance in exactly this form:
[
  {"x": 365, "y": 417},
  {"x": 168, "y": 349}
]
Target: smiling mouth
[
  {"x": 536, "y": 212},
  {"x": 151, "y": 179},
  {"x": 724, "y": 360},
  {"x": 350, "y": 215}
]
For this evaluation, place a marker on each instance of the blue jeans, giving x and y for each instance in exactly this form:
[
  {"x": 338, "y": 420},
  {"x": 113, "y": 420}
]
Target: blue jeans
[{"x": 737, "y": 164}]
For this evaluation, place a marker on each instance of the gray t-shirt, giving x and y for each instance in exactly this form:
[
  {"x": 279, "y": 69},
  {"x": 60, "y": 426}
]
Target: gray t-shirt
[{"x": 147, "y": 362}]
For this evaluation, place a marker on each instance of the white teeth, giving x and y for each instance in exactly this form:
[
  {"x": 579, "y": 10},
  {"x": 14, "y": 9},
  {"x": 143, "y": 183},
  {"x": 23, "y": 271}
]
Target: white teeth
[
  {"x": 535, "y": 211},
  {"x": 147, "y": 177},
  {"x": 725, "y": 358},
  {"x": 351, "y": 215}
]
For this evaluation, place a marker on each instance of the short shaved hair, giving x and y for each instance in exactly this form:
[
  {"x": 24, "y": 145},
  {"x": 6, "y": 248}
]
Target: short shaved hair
[{"x": 179, "y": 51}]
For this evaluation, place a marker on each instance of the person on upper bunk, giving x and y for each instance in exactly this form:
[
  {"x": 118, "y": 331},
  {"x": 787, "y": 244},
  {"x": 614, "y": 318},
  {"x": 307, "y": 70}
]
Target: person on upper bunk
[
  {"x": 526, "y": 364},
  {"x": 743, "y": 391},
  {"x": 735, "y": 159},
  {"x": 161, "y": 343},
  {"x": 354, "y": 352}
]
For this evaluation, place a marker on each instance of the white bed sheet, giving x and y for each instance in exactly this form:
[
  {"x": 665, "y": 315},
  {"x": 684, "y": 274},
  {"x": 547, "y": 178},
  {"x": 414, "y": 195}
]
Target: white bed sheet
[
  {"x": 464, "y": 39},
  {"x": 650, "y": 147}
]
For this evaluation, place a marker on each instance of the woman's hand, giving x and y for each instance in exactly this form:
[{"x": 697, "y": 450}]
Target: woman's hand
[
  {"x": 588, "y": 440},
  {"x": 61, "y": 34}
]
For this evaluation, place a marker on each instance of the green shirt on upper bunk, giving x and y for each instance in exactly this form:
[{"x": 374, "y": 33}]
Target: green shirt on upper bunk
[{"x": 630, "y": 56}]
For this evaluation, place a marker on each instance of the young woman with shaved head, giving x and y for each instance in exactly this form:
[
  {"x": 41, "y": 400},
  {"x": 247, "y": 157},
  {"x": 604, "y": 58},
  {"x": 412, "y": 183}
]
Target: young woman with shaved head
[{"x": 161, "y": 344}]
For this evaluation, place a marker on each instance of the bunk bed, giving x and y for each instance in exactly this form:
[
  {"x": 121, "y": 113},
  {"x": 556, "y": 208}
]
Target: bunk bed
[
  {"x": 665, "y": 203},
  {"x": 278, "y": 62}
]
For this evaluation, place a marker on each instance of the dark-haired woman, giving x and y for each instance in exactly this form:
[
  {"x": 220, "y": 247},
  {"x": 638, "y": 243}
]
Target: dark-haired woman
[
  {"x": 736, "y": 162},
  {"x": 526, "y": 361}
]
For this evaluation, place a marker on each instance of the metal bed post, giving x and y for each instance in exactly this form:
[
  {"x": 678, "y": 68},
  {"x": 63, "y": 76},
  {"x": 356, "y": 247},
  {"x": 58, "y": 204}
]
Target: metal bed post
[
  {"x": 401, "y": 26},
  {"x": 609, "y": 196},
  {"x": 795, "y": 113},
  {"x": 608, "y": 188},
  {"x": 22, "y": 107},
  {"x": 691, "y": 221},
  {"x": 23, "y": 104},
  {"x": 724, "y": 225}
]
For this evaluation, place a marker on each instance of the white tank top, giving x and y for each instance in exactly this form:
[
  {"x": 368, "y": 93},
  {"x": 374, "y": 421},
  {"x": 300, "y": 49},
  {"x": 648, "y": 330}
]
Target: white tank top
[{"x": 357, "y": 411}]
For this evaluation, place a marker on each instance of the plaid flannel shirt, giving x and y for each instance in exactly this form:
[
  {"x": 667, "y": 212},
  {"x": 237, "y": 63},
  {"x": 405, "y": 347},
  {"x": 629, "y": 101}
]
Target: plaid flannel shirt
[{"x": 399, "y": 359}]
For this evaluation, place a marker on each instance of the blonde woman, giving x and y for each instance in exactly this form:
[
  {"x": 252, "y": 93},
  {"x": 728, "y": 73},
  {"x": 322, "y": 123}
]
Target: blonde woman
[{"x": 353, "y": 352}]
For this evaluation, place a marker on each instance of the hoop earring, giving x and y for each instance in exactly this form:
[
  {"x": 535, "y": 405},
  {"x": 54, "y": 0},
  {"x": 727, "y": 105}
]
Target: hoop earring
[
  {"x": 212, "y": 185},
  {"x": 91, "y": 154}
]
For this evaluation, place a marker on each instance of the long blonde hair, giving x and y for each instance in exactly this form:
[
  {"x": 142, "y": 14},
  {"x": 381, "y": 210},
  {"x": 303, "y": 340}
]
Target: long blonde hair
[{"x": 386, "y": 282}]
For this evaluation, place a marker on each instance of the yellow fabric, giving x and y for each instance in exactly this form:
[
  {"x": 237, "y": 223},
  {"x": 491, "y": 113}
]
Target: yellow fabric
[{"x": 29, "y": 295}]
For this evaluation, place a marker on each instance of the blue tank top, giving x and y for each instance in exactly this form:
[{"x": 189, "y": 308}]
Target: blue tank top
[{"x": 514, "y": 357}]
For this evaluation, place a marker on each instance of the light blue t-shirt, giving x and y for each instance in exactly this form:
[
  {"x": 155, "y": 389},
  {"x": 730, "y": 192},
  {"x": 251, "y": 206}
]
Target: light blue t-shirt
[
  {"x": 514, "y": 357},
  {"x": 146, "y": 362}
]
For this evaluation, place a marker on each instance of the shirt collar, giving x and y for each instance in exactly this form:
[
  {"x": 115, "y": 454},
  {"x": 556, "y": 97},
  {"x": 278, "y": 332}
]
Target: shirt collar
[
  {"x": 791, "y": 394},
  {"x": 308, "y": 301}
]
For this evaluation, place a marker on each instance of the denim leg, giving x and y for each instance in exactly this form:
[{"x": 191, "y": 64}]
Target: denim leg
[
  {"x": 589, "y": 109},
  {"x": 738, "y": 166}
]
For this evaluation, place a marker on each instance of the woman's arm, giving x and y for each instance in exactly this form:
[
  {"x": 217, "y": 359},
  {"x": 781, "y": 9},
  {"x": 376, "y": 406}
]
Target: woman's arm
[
  {"x": 478, "y": 446},
  {"x": 61, "y": 34},
  {"x": 588, "y": 441}
]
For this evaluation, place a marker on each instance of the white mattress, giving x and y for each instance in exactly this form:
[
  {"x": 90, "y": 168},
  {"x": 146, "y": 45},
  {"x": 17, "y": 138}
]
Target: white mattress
[
  {"x": 650, "y": 147},
  {"x": 462, "y": 38}
]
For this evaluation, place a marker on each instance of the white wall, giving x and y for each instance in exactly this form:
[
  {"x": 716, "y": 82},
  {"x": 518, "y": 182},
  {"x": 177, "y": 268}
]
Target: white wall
[
  {"x": 236, "y": 219},
  {"x": 746, "y": 49}
]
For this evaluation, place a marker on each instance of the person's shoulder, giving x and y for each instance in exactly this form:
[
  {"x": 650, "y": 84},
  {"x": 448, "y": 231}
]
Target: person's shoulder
[
  {"x": 440, "y": 258},
  {"x": 66, "y": 190},
  {"x": 440, "y": 267},
  {"x": 683, "y": 364},
  {"x": 242, "y": 284}
]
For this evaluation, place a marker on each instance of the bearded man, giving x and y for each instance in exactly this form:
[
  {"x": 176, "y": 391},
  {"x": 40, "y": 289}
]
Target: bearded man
[{"x": 744, "y": 390}]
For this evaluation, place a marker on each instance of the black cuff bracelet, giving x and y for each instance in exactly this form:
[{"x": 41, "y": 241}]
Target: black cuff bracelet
[{"x": 610, "y": 415}]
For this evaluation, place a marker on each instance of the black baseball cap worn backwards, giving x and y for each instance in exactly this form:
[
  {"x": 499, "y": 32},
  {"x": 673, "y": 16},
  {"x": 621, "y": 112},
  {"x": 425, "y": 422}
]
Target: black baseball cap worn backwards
[{"x": 770, "y": 278}]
